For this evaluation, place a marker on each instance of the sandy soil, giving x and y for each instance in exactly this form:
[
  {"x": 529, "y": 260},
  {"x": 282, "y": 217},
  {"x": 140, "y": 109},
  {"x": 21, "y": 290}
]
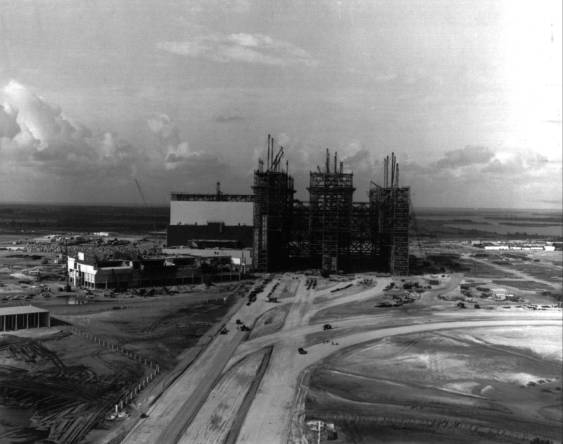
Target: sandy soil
[
  {"x": 215, "y": 418},
  {"x": 487, "y": 382},
  {"x": 175, "y": 409},
  {"x": 270, "y": 322},
  {"x": 434, "y": 370},
  {"x": 158, "y": 328}
]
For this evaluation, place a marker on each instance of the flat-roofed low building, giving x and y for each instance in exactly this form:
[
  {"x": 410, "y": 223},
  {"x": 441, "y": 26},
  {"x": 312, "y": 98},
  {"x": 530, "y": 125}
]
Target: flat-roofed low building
[
  {"x": 237, "y": 256},
  {"x": 89, "y": 272},
  {"x": 23, "y": 317},
  {"x": 499, "y": 294}
]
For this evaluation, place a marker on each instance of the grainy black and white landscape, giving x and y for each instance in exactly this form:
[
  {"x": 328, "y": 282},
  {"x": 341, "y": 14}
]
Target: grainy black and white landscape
[{"x": 281, "y": 221}]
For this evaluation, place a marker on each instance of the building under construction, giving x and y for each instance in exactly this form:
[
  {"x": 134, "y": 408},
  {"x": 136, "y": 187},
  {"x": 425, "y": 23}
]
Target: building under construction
[
  {"x": 329, "y": 232},
  {"x": 390, "y": 206}
]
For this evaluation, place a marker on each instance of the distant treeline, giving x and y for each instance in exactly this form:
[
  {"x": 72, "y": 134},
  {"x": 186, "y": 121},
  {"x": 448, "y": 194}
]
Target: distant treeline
[
  {"x": 555, "y": 219},
  {"x": 47, "y": 218},
  {"x": 439, "y": 229}
]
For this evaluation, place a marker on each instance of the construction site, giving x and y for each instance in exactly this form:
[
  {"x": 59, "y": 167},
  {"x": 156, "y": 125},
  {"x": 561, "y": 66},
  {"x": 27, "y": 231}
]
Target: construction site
[
  {"x": 330, "y": 231},
  {"x": 262, "y": 315}
]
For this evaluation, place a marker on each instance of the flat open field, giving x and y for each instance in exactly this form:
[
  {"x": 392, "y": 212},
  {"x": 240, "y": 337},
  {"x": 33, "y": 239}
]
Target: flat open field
[
  {"x": 481, "y": 385},
  {"x": 160, "y": 328}
]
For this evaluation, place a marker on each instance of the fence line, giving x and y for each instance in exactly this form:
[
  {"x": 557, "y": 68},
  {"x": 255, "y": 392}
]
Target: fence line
[{"x": 136, "y": 387}]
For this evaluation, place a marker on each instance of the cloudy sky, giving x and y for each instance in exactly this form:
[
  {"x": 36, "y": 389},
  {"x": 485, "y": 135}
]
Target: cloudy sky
[{"x": 180, "y": 94}]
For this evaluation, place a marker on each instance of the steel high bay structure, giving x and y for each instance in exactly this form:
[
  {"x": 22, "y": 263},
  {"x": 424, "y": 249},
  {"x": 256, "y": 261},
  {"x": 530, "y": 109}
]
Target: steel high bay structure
[
  {"x": 330, "y": 214},
  {"x": 273, "y": 204},
  {"x": 331, "y": 231},
  {"x": 390, "y": 206}
]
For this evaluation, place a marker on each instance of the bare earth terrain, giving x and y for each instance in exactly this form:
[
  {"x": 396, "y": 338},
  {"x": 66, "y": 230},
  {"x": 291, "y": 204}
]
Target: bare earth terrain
[{"x": 470, "y": 355}]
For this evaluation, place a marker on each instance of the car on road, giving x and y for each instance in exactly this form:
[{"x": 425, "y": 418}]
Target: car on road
[{"x": 302, "y": 351}]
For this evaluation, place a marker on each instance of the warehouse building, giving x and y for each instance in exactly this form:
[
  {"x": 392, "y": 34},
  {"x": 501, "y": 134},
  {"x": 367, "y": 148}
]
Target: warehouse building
[
  {"x": 23, "y": 317},
  {"x": 90, "y": 272},
  {"x": 210, "y": 220}
]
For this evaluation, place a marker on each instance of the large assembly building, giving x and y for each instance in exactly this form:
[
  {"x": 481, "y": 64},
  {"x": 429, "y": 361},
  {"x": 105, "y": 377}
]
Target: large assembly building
[{"x": 330, "y": 231}]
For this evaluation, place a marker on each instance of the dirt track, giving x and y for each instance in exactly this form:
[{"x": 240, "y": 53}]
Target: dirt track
[
  {"x": 169, "y": 417},
  {"x": 277, "y": 410}
]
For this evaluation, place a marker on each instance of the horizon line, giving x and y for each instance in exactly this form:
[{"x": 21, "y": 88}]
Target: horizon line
[{"x": 166, "y": 205}]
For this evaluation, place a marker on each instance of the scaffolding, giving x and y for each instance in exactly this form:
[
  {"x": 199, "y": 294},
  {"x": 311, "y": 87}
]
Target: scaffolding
[
  {"x": 330, "y": 196},
  {"x": 299, "y": 243},
  {"x": 331, "y": 231},
  {"x": 219, "y": 196},
  {"x": 273, "y": 203},
  {"x": 390, "y": 213}
]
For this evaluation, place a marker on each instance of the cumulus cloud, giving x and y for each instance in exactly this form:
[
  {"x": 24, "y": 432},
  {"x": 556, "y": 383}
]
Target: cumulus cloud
[
  {"x": 468, "y": 155},
  {"x": 516, "y": 163},
  {"x": 509, "y": 178},
  {"x": 35, "y": 133},
  {"x": 8, "y": 125},
  {"x": 241, "y": 47},
  {"x": 229, "y": 117},
  {"x": 357, "y": 157},
  {"x": 45, "y": 155},
  {"x": 167, "y": 133},
  {"x": 177, "y": 153}
]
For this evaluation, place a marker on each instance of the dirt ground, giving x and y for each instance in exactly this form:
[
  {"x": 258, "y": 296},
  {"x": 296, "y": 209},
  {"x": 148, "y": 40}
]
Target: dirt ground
[
  {"x": 62, "y": 382},
  {"x": 476, "y": 385},
  {"x": 57, "y": 384},
  {"x": 215, "y": 419},
  {"x": 483, "y": 385},
  {"x": 65, "y": 363},
  {"x": 270, "y": 322},
  {"x": 160, "y": 328}
]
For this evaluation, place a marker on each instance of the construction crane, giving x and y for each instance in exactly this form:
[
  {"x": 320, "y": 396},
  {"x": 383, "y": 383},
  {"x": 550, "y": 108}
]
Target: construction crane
[
  {"x": 141, "y": 192},
  {"x": 138, "y": 185}
]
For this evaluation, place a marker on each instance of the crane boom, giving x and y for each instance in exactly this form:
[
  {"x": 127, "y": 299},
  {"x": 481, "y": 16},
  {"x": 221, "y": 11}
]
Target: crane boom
[{"x": 140, "y": 192}]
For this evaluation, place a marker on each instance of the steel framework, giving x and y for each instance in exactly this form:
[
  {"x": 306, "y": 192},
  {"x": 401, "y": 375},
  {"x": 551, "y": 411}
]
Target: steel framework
[
  {"x": 390, "y": 211},
  {"x": 330, "y": 196},
  {"x": 331, "y": 231},
  {"x": 273, "y": 209}
]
